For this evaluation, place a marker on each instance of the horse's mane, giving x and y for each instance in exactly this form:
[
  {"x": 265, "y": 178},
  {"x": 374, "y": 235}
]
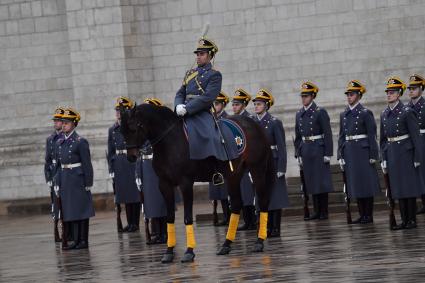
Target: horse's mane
[{"x": 150, "y": 111}]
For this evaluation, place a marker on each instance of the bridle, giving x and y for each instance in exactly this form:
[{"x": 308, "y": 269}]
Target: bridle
[{"x": 154, "y": 141}]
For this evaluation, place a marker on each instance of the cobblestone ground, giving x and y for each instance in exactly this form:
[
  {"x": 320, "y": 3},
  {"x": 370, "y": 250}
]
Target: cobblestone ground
[{"x": 326, "y": 251}]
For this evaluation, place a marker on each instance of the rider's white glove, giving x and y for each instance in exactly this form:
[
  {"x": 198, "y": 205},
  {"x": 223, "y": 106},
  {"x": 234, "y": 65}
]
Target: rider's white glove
[
  {"x": 341, "y": 163},
  {"x": 280, "y": 174},
  {"x": 326, "y": 159},
  {"x": 372, "y": 161},
  {"x": 49, "y": 183},
  {"x": 88, "y": 189},
  {"x": 416, "y": 164},
  {"x": 139, "y": 184},
  {"x": 111, "y": 175},
  {"x": 56, "y": 189},
  {"x": 181, "y": 110}
]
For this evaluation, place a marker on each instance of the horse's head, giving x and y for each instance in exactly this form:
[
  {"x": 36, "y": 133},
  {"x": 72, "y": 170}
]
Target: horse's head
[{"x": 132, "y": 130}]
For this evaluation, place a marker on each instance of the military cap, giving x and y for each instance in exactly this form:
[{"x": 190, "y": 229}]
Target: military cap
[
  {"x": 395, "y": 83},
  {"x": 153, "y": 101},
  {"x": 72, "y": 115},
  {"x": 355, "y": 86},
  {"x": 223, "y": 98},
  {"x": 124, "y": 102},
  {"x": 309, "y": 88},
  {"x": 242, "y": 96},
  {"x": 206, "y": 45},
  {"x": 416, "y": 81},
  {"x": 58, "y": 113},
  {"x": 266, "y": 96}
]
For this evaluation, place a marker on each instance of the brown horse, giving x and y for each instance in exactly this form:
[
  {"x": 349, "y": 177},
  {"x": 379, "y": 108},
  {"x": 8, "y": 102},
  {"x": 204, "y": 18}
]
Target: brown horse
[{"x": 164, "y": 130}]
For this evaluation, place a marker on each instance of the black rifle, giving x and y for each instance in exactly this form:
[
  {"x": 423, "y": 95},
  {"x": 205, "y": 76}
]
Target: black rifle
[
  {"x": 117, "y": 205},
  {"x": 347, "y": 198},
  {"x": 303, "y": 187},
  {"x": 64, "y": 224},
  {"x": 391, "y": 203}
]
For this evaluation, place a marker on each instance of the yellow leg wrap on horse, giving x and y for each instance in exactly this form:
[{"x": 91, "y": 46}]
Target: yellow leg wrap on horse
[
  {"x": 190, "y": 237},
  {"x": 171, "y": 232},
  {"x": 233, "y": 226},
  {"x": 262, "y": 232}
]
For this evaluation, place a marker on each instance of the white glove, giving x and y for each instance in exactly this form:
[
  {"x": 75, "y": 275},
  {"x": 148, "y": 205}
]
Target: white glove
[
  {"x": 372, "y": 161},
  {"x": 300, "y": 161},
  {"x": 181, "y": 110},
  {"x": 111, "y": 175},
  {"x": 138, "y": 181},
  {"x": 56, "y": 189},
  {"x": 326, "y": 159},
  {"x": 250, "y": 177},
  {"x": 416, "y": 164},
  {"x": 341, "y": 163},
  {"x": 280, "y": 174},
  {"x": 384, "y": 166},
  {"x": 49, "y": 183},
  {"x": 88, "y": 189}
]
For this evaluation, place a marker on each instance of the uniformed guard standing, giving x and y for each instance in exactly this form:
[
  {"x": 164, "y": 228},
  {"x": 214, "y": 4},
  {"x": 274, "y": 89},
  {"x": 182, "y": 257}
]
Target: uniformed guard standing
[
  {"x": 358, "y": 152},
  {"x": 417, "y": 103},
  {"x": 74, "y": 179},
  {"x": 276, "y": 137},
  {"x": 401, "y": 150},
  {"x": 219, "y": 191},
  {"x": 314, "y": 148},
  {"x": 122, "y": 171},
  {"x": 50, "y": 167},
  {"x": 154, "y": 206},
  {"x": 239, "y": 103}
]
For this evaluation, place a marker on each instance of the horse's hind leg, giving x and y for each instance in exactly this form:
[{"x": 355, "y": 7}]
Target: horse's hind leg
[
  {"x": 233, "y": 188},
  {"x": 263, "y": 198},
  {"x": 167, "y": 191},
  {"x": 187, "y": 191}
]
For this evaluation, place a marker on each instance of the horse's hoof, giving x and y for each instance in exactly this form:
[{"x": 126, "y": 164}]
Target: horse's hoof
[
  {"x": 167, "y": 258},
  {"x": 224, "y": 250},
  {"x": 258, "y": 247},
  {"x": 188, "y": 257}
]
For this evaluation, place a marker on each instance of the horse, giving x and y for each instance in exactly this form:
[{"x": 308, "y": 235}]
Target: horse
[{"x": 165, "y": 131}]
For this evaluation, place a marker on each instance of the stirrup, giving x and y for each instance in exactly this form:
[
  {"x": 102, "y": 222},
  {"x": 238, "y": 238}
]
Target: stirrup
[{"x": 218, "y": 179}]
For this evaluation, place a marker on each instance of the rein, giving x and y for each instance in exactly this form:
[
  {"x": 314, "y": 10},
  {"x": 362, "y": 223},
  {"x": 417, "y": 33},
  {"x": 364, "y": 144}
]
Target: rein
[{"x": 157, "y": 139}]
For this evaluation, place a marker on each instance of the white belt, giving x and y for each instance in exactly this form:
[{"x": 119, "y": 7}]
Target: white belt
[
  {"x": 399, "y": 138},
  {"x": 273, "y": 146},
  {"x": 313, "y": 138},
  {"x": 422, "y": 131},
  {"x": 355, "y": 137},
  {"x": 70, "y": 166},
  {"x": 147, "y": 156},
  {"x": 121, "y": 151}
]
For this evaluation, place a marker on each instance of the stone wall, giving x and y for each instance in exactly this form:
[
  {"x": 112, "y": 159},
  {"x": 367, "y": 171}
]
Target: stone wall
[{"x": 84, "y": 53}]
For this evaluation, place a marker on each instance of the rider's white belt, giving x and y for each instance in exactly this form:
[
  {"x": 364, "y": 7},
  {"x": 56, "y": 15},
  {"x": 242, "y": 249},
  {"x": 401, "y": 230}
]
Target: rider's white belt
[
  {"x": 273, "y": 146},
  {"x": 398, "y": 138},
  {"x": 313, "y": 138},
  {"x": 147, "y": 156},
  {"x": 355, "y": 137},
  {"x": 70, "y": 166},
  {"x": 121, "y": 151},
  {"x": 422, "y": 131}
]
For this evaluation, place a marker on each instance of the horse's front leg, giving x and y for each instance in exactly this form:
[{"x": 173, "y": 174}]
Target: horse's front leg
[
  {"x": 233, "y": 188},
  {"x": 187, "y": 191},
  {"x": 167, "y": 191}
]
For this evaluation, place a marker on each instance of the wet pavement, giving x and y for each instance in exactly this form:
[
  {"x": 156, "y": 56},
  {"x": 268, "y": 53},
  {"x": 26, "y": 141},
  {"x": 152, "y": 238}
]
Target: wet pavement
[{"x": 325, "y": 251}]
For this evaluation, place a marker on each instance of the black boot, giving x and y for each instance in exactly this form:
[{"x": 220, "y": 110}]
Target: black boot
[
  {"x": 128, "y": 214},
  {"x": 135, "y": 217},
  {"x": 84, "y": 235},
  {"x": 163, "y": 230},
  {"x": 411, "y": 209},
  {"x": 368, "y": 211},
  {"x": 155, "y": 231},
  {"x": 275, "y": 229},
  {"x": 422, "y": 210},
  {"x": 360, "y": 206},
  {"x": 323, "y": 206},
  {"x": 316, "y": 211},
  {"x": 56, "y": 231},
  {"x": 75, "y": 235},
  {"x": 270, "y": 220},
  {"x": 215, "y": 215},
  {"x": 402, "y": 203}
]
